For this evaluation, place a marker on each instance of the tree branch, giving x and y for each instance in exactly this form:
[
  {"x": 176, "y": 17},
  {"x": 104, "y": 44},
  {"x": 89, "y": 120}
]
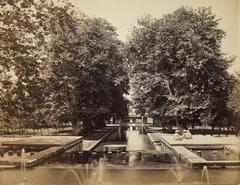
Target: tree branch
[{"x": 168, "y": 87}]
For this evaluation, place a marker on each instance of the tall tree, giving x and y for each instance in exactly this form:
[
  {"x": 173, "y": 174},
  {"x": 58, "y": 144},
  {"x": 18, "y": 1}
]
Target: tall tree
[
  {"x": 179, "y": 72},
  {"x": 27, "y": 30},
  {"x": 59, "y": 66},
  {"x": 103, "y": 79},
  {"x": 234, "y": 106},
  {"x": 88, "y": 73},
  {"x": 22, "y": 86}
]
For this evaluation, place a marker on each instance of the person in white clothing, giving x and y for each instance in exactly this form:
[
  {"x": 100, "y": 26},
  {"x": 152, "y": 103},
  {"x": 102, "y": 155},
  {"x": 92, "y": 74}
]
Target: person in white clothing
[
  {"x": 176, "y": 136},
  {"x": 187, "y": 134}
]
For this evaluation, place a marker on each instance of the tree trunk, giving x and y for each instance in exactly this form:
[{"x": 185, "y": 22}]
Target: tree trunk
[
  {"x": 179, "y": 126},
  {"x": 227, "y": 130},
  {"x": 24, "y": 129},
  {"x": 41, "y": 131},
  {"x": 75, "y": 128},
  {"x": 237, "y": 131},
  {"x": 12, "y": 129},
  {"x": 219, "y": 131},
  {"x": 114, "y": 120},
  {"x": 8, "y": 131},
  {"x": 164, "y": 128},
  {"x": 56, "y": 128},
  {"x": 212, "y": 130},
  {"x": 170, "y": 129}
]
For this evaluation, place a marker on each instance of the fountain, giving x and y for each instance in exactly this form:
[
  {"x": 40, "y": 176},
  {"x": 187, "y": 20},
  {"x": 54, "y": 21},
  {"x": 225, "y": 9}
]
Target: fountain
[
  {"x": 177, "y": 171},
  {"x": 206, "y": 175},
  {"x": 74, "y": 173},
  {"x": 100, "y": 171},
  {"x": 87, "y": 174},
  {"x": 23, "y": 166}
]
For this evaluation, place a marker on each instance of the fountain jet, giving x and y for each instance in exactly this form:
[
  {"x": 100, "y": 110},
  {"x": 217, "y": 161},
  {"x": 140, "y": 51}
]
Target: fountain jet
[
  {"x": 206, "y": 175},
  {"x": 23, "y": 166}
]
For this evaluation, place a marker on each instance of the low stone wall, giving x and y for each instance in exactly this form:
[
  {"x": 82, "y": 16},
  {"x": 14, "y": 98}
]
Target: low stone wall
[
  {"x": 95, "y": 143},
  {"x": 189, "y": 158}
]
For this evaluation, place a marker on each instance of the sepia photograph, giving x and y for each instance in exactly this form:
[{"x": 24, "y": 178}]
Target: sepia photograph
[{"x": 119, "y": 92}]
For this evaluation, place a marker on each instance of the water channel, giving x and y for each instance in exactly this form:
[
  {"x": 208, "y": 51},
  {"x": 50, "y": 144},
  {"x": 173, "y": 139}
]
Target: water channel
[{"x": 132, "y": 172}]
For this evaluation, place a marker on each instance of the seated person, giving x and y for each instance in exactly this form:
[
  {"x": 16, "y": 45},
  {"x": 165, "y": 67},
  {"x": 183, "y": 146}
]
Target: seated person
[
  {"x": 176, "y": 136},
  {"x": 187, "y": 134},
  {"x": 184, "y": 133}
]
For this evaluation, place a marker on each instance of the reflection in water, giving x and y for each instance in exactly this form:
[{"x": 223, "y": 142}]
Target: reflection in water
[{"x": 137, "y": 141}]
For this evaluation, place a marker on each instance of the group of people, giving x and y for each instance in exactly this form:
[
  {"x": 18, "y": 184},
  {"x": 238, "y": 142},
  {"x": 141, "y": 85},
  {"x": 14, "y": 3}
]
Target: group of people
[{"x": 186, "y": 135}]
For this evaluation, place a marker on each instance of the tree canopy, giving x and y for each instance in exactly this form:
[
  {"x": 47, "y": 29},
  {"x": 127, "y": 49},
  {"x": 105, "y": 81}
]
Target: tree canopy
[
  {"x": 57, "y": 65},
  {"x": 95, "y": 72},
  {"x": 23, "y": 54},
  {"x": 178, "y": 69}
]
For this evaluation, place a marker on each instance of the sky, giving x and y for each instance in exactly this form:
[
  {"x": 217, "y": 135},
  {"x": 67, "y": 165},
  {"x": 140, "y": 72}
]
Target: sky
[{"x": 123, "y": 14}]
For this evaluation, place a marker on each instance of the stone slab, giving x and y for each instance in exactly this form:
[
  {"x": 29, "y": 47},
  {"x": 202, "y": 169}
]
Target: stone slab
[
  {"x": 201, "y": 140},
  {"x": 40, "y": 140}
]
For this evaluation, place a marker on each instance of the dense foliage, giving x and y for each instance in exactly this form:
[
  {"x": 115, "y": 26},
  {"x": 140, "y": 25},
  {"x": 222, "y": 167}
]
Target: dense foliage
[
  {"x": 58, "y": 66},
  {"x": 178, "y": 70},
  {"x": 92, "y": 73},
  {"x": 23, "y": 36}
]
